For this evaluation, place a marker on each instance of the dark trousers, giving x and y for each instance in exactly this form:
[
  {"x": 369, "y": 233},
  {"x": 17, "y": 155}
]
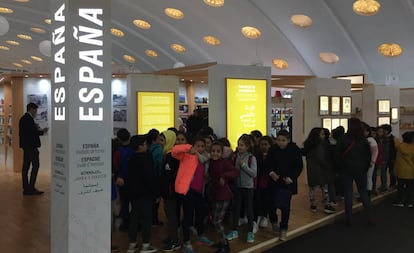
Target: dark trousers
[
  {"x": 262, "y": 202},
  {"x": 193, "y": 207},
  {"x": 282, "y": 199},
  {"x": 393, "y": 179},
  {"x": 245, "y": 196},
  {"x": 405, "y": 191},
  {"x": 170, "y": 209},
  {"x": 361, "y": 183},
  {"x": 30, "y": 156},
  {"x": 124, "y": 213},
  {"x": 141, "y": 213}
]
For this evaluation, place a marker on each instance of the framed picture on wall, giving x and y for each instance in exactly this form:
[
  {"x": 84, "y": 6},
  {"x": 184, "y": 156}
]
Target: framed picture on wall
[
  {"x": 323, "y": 105},
  {"x": 395, "y": 115},
  {"x": 346, "y": 106},
  {"x": 384, "y": 106},
  {"x": 335, "y": 105},
  {"x": 344, "y": 123},
  {"x": 384, "y": 120},
  {"x": 327, "y": 123}
]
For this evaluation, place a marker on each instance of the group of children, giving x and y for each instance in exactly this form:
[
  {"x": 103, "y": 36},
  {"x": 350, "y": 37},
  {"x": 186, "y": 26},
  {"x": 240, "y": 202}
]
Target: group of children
[{"x": 203, "y": 179}]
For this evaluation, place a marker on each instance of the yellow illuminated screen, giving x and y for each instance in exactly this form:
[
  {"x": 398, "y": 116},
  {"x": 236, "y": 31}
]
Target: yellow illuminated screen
[
  {"x": 155, "y": 110},
  {"x": 246, "y": 107}
]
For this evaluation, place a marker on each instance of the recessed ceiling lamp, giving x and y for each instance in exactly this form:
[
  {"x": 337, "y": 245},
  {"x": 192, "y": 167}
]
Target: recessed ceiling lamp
[
  {"x": 251, "y": 32},
  {"x": 24, "y": 36},
  {"x": 27, "y": 61},
  {"x": 22, "y": 1},
  {"x": 366, "y": 7},
  {"x": 280, "y": 64},
  {"x": 178, "y": 48},
  {"x": 48, "y": 21},
  {"x": 328, "y": 57},
  {"x": 38, "y": 30},
  {"x": 17, "y": 65},
  {"x": 214, "y": 3},
  {"x": 4, "y": 48},
  {"x": 210, "y": 40},
  {"x": 390, "y": 50},
  {"x": 141, "y": 24},
  {"x": 129, "y": 58},
  {"x": 117, "y": 32},
  {"x": 151, "y": 53},
  {"x": 13, "y": 42},
  {"x": 5, "y": 10},
  {"x": 174, "y": 13},
  {"x": 36, "y": 58},
  {"x": 301, "y": 20}
]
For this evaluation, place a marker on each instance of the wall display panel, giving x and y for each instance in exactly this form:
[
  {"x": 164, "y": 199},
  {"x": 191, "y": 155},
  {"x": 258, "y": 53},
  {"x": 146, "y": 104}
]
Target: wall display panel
[
  {"x": 323, "y": 105},
  {"x": 383, "y": 106},
  {"x": 155, "y": 110},
  {"x": 335, "y": 123},
  {"x": 346, "y": 105},
  {"x": 395, "y": 115},
  {"x": 384, "y": 120},
  {"x": 327, "y": 123},
  {"x": 344, "y": 123},
  {"x": 246, "y": 101},
  {"x": 41, "y": 101},
  {"x": 335, "y": 106}
]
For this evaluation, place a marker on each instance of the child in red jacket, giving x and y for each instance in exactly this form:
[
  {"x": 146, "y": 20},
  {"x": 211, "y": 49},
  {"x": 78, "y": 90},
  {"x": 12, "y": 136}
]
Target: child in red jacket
[{"x": 221, "y": 171}]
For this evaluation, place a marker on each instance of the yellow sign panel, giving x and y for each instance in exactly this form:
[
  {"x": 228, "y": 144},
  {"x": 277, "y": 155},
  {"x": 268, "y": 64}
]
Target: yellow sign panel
[
  {"x": 246, "y": 107},
  {"x": 155, "y": 110}
]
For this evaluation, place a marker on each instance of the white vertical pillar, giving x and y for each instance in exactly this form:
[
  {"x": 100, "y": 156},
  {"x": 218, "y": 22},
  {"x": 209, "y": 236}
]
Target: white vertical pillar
[{"x": 81, "y": 122}]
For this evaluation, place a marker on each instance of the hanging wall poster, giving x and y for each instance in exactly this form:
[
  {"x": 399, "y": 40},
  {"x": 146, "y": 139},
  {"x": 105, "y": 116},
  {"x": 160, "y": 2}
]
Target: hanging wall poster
[
  {"x": 335, "y": 106},
  {"x": 327, "y": 123},
  {"x": 394, "y": 115},
  {"x": 155, "y": 110},
  {"x": 323, "y": 105},
  {"x": 384, "y": 106},
  {"x": 246, "y": 101},
  {"x": 41, "y": 101},
  {"x": 346, "y": 105},
  {"x": 384, "y": 121}
]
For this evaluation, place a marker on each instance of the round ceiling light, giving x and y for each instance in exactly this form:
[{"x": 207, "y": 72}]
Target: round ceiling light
[
  {"x": 211, "y": 40},
  {"x": 174, "y": 13},
  {"x": 280, "y": 63},
  {"x": 48, "y": 21},
  {"x": 5, "y": 10},
  {"x": 141, "y": 24},
  {"x": 26, "y": 61},
  {"x": 129, "y": 58},
  {"x": 366, "y": 7},
  {"x": 36, "y": 58},
  {"x": 4, "y": 25},
  {"x": 24, "y": 36},
  {"x": 390, "y": 49},
  {"x": 214, "y": 3},
  {"x": 13, "y": 42},
  {"x": 22, "y": 1},
  {"x": 17, "y": 65},
  {"x": 251, "y": 32},
  {"x": 4, "y": 48},
  {"x": 328, "y": 57},
  {"x": 38, "y": 30},
  {"x": 117, "y": 32},
  {"x": 178, "y": 48},
  {"x": 151, "y": 53},
  {"x": 301, "y": 20}
]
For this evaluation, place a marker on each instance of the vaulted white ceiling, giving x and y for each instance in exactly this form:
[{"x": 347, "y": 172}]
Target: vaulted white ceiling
[{"x": 335, "y": 28}]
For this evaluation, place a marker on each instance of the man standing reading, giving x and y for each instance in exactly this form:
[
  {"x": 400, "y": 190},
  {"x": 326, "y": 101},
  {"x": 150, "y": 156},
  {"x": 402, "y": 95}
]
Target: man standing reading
[{"x": 29, "y": 141}]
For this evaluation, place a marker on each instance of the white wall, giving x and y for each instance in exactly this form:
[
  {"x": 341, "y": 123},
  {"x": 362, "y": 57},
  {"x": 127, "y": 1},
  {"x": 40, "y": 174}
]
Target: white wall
[
  {"x": 298, "y": 98},
  {"x": 143, "y": 82},
  {"x": 40, "y": 86},
  {"x": 217, "y": 75}
]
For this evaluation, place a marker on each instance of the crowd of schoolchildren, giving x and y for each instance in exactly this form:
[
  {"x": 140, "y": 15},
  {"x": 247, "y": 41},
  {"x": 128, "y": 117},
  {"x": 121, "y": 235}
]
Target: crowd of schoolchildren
[{"x": 201, "y": 179}]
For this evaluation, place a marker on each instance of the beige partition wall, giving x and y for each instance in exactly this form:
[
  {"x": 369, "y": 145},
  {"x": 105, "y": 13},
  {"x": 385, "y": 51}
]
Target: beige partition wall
[{"x": 18, "y": 111}]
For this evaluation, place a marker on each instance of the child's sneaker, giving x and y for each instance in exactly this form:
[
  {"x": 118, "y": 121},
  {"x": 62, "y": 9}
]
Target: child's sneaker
[
  {"x": 283, "y": 235},
  {"x": 243, "y": 221},
  {"x": 132, "y": 247},
  {"x": 410, "y": 205},
  {"x": 313, "y": 208},
  {"x": 148, "y": 248},
  {"x": 224, "y": 248},
  {"x": 329, "y": 209},
  {"x": 171, "y": 246},
  {"x": 188, "y": 248},
  {"x": 263, "y": 222},
  {"x": 233, "y": 234},
  {"x": 250, "y": 237},
  {"x": 194, "y": 231},
  {"x": 255, "y": 227},
  {"x": 204, "y": 240},
  {"x": 398, "y": 204}
]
